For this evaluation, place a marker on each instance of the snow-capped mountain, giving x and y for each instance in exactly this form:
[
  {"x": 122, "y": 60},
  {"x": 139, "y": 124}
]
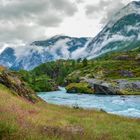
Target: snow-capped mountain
[
  {"x": 28, "y": 56},
  {"x": 121, "y": 33}
]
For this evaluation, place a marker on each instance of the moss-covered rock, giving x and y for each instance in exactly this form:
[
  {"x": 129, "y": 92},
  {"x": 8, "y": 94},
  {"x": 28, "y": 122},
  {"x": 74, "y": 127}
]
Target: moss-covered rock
[
  {"x": 80, "y": 88},
  {"x": 105, "y": 87},
  {"x": 12, "y": 81},
  {"x": 114, "y": 87}
]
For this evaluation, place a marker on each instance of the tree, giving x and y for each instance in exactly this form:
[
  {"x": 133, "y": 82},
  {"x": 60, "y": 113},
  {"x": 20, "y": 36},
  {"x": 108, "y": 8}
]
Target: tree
[
  {"x": 73, "y": 63},
  {"x": 78, "y": 60},
  {"x": 85, "y": 62}
]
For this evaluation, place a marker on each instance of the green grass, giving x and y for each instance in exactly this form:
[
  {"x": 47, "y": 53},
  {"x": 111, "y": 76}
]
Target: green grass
[
  {"x": 109, "y": 67},
  {"x": 133, "y": 79},
  {"x": 20, "y": 119}
]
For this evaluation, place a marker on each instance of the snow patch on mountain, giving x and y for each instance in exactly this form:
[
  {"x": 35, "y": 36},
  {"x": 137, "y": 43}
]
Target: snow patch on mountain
[
  {"x": 131, "y": 8},
  {"x": 121, "y": 31},
  {"x": 28, "y": 56}
]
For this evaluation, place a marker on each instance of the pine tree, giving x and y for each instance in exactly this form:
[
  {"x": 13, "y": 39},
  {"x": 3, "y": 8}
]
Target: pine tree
[{"x": 85, "y": 62}]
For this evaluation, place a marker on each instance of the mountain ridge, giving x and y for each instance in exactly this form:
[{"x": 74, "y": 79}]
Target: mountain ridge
[
  {"x": 124, "y": 26},
  {"x": 121, "y": 33},
  {"x": 29, "y": 56}
]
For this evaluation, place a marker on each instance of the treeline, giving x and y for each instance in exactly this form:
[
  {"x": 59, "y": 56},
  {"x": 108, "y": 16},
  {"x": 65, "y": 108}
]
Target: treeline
[{"x": 48, "y": 76}]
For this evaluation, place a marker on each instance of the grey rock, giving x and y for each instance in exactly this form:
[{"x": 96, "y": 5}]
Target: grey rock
[
  {"x": 138, "y": 57},
  {"x": 126, "y": 73},
  {"x": 113, "y": 87},
  {"x": 123, "y": 57}
]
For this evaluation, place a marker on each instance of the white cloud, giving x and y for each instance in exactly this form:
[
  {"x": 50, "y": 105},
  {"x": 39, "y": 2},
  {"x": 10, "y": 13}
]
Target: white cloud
[
  {"x": 30, "y": 20},
  {"x": 60, "y": 47},
  {"x": 105, "y": 8}
]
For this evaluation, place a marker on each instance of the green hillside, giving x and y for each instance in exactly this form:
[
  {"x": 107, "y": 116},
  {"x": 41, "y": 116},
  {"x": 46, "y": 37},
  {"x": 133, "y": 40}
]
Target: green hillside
[
  {"x": 22, "y": 119},
  {"x": 109, "y": 68}
]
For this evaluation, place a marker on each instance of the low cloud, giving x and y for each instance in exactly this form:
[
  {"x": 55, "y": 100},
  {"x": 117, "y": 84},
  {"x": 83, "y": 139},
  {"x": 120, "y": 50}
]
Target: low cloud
[{"x": 104, "y": 10}]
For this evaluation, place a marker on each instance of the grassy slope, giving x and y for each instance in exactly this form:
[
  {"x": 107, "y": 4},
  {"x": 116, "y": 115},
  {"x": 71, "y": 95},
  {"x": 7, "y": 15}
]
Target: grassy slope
[
  {"x": 109, "y": 67},
  {"x": 115, "y": 66},
  {"x": 21, "y": 119}
]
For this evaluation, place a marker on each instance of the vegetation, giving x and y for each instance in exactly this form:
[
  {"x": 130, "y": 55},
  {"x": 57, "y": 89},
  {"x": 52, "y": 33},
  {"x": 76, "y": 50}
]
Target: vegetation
[
  {"x": 20, "y": 119},
  {"x": 48, "y": 76},
  {"x": 24, "y": 116},
  {"x": 38, "y": 83},
  {"x": 85, "y": 62},
  {"x": 114, "y": 66},
  {"x": 79, "y": 88},
  {"x": 56, "y": 70},
  {"x": 2, "y": 69},
  {"x": 13, "y": 81},
  {"x": 122, "y": 65}
]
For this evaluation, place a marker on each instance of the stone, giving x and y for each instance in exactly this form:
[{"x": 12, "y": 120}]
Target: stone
[
  {"x": 126, "y": 73},
  {"x": 138, "y": 57},
  {"x": 104, "y": 90},
  {"x": 123, "y": 57}
]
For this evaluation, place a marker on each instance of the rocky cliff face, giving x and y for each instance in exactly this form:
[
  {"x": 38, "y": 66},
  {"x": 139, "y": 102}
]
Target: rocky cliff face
[{"x": 12, "y": 81}]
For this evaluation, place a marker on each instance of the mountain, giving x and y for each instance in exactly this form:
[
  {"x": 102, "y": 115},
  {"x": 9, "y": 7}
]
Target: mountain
[
  {"x": 29, "y": 56},
  {"x": 7, "y": 57},
  {"x": 121, "y": 33}
]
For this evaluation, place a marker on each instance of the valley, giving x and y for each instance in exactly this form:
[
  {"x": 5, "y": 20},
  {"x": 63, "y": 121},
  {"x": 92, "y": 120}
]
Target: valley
[{"x": 69, "y": 88}]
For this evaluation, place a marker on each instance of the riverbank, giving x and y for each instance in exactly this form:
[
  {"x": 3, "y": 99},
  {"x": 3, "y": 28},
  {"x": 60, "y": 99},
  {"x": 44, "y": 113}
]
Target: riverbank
[
  {"x": 105, "y": 87},
  {"x": 20, "y": 118},
  {"x": 120, "y": 105}
]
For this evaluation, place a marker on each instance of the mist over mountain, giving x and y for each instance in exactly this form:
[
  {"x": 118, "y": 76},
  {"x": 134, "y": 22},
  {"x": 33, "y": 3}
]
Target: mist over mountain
[
  {"x": 121, "y": 33},
  {"x": 31, "y": 55}
]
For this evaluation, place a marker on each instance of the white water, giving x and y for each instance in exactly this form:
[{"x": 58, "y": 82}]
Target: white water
[{"x": 120, "y": 105}]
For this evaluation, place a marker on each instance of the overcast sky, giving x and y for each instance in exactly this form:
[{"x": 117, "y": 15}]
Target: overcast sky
[{"x": 29, "y": 20}]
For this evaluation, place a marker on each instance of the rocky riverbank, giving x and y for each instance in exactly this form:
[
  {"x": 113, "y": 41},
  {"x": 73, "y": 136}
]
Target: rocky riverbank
[{"x": 111, "y": 87}]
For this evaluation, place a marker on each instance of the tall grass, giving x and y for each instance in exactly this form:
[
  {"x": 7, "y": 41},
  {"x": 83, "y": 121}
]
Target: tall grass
[{"x": 20, "y": 119}]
